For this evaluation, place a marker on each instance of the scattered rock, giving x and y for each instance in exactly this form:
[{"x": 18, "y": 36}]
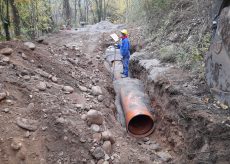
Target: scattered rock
[
  {"x": 107, "y": 136},
  {"x": 174, "y": 37},
  {"x": 27, "y": 135},
  {"x": 44, "y": 128},
  {"x": 40, "y": 39},
  {"x": 98, "y": 153},
  {"x": 65, "y": 138},
  {"x": 107, "y": 146},
  {"x": 84, "y": 117},
  {"x": 10, "y": 102},
  {"x": 6, "y": 59},
  {"x": 54, "y": 79},
  {"x": 95, "y": 128},
  {"x": 22, "y": 154},
  {"x": 100, "y": 98},
  {"x": 142, "y": 160},
  {"x": 24, "y": 56},
  {"x": 6, "y": 110},
  {"x": 30, "y": 107},
  {"x": 98, "y": 57},
  {"x": 41, "y": 86},
  {"x": 72, "y": 61},
  {"x": 107, "y": 102},
  {"x": 48, "y": 85},
  {"x": 30, "y": 45},
  {"x": 101, "y": 161},
  {"x": 94, "y": 117},
  {"x": 45, "y": 110},
  {"x": 60, "y": 120},
  {"x": 82, "y": 140},
  {"x": 164, "y": 156},
  {"x": 68, "y": 89},
  {"x": 16, "y": 144},
  {"x": 223, "y": 106},
  {"x": 31, "y": 125},
  {"x": 107, "y": 157},
  {"x": 24, "y": 72},
  {"x": 146, "y": 139},
  {"x": 155, "y": 147},
  {"x": 96, "y": 90},
  {"x": 26, "y": 77},
  {"x": 115, "y": 157},
  {"x": 83, "y": 89},
  {"x": 80, "y": 106},
  {"x": 92, "y": 162},
  {"x": 6, "y": 51},
  {"x": 3, "y": 95},
  {"x": 43, "y": 73},
  {"x": 92, "y": 149},
  {"x": 97, "y": 137}
]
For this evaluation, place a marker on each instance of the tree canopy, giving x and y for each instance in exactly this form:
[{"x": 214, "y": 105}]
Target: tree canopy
[{"x": 33, "y": 18}]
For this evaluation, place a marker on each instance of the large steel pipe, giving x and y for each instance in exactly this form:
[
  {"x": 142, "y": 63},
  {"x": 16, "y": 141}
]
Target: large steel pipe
[{"x": 139, "y": 120}]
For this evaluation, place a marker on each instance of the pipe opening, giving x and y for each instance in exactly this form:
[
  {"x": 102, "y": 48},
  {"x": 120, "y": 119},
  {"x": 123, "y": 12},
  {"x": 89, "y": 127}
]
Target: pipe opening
[{"x": 140, "y": 125}]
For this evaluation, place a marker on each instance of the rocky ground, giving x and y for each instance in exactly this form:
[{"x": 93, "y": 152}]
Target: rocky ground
[{"x": 57, "y": 105}]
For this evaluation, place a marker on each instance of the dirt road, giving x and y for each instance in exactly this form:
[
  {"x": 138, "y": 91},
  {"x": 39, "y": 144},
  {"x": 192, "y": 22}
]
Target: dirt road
[{"x": 57, "y": 105}]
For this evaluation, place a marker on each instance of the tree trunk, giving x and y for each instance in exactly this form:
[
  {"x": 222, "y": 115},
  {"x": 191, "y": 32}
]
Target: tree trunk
[
  {"x": 6, "y": 28},
  {"x": 104, "y": 11},
  {"x": 127, "y": 11},
  {"x": 87, "y": 11},
  {"x": 105, "y": 8},
  {"x": 99, "y": 9},
  {"x": 67, "y": 12},
  {"x": 94, "y": 16},
  {"x": 33, "y": 21},
  {"x": 80, "y": 11},
  {"x": 6, "y": 21},
  {"x": 16, "y": 18},
  {"x": 75, "y": 13}
]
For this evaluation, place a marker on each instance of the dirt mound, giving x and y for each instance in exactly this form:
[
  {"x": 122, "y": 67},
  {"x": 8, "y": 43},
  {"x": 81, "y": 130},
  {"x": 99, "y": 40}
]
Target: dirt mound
[
  {"x": 103, "y": 26},
  {"x": 48, "y": 91},
  {"x": 190, "y": 123}
]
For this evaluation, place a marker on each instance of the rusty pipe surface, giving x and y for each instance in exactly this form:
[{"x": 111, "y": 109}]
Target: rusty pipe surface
[
  {"x": 133, "y": 104},
  {"x": 139, "y": 120}
]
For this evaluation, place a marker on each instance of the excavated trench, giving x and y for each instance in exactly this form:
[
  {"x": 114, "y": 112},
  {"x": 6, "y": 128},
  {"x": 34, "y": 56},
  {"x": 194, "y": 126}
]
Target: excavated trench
[
  {"x": 187, "y": 122},
  {"x": 132, "y": 104},
  {"x": 194, "y": 131}
]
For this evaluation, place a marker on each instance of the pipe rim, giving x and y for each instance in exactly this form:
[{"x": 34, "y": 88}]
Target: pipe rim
[{"x": 135, "y": 125}]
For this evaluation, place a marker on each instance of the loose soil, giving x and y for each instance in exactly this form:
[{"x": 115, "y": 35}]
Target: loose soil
[
  {"x": 61, "y": 135},
  {"x": 189, "y": 120},
  {"x": 187, "y": 129}
]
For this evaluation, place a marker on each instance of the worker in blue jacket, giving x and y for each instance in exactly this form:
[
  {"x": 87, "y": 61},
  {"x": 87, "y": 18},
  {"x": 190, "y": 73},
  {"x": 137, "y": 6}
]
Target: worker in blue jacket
[{"x": 124, "y": 47}]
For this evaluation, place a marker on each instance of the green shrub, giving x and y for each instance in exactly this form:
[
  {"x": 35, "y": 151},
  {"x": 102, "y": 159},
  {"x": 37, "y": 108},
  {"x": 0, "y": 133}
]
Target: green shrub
[{"x": 168, "y": 54}]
